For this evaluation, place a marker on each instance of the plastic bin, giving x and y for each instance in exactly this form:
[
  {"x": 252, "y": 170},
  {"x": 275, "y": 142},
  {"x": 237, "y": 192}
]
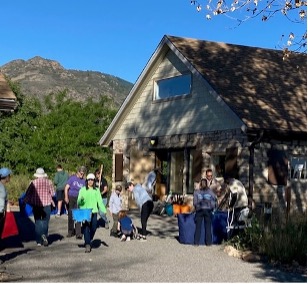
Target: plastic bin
[
  {"x": 169, "y": 209},
  {"x": 80, "y": 215}
]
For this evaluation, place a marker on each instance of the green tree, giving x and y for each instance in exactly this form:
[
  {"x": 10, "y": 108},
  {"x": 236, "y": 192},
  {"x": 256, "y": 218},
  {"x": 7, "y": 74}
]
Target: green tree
[
  {"x": 58, "y": 130},
  {"x": 16, "y": 129}
]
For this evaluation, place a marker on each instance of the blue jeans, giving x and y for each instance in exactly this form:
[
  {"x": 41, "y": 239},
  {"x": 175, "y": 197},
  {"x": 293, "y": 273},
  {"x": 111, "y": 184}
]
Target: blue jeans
[
  {"x": 41, "y": 217},
  {"x": 206, "y": 215},
  {"x": 89, "y": 229}
]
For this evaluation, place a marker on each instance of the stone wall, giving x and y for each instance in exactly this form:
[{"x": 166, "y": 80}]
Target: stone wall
[{"x": 218, "y": 141}]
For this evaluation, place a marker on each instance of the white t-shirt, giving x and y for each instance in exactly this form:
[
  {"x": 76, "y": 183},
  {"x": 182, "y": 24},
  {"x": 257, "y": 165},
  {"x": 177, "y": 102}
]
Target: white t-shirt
[{"x": 237, "y": 187}]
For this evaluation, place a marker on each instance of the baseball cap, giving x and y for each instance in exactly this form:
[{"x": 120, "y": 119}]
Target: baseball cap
[{"x": 4, "y": 172}]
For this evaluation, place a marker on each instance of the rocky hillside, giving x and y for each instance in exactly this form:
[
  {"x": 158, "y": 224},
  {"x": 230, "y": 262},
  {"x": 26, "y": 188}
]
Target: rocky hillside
[{"x": 40, "y": 77}]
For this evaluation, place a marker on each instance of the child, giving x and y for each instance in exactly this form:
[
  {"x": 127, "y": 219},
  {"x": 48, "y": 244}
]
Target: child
[{"x": 126, "y": 226}]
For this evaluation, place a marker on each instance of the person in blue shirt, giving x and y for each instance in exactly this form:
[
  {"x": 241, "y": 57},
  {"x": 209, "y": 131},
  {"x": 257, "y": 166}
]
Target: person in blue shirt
[
  {"x": 115, "y": 206},
  {"x": 126, "y": 226},
  {"x": 144, "y": 202},
  {"x": 205, "y": 202}
]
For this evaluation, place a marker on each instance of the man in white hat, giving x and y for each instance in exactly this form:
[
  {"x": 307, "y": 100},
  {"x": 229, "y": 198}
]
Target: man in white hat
[{"x": 39, "y": 195}]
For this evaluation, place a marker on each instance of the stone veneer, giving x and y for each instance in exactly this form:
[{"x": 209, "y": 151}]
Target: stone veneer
[{"x": 218, "y": 141}]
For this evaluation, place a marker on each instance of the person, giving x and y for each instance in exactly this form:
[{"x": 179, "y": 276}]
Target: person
[
  {"x": 102, "y": 184},
  {"x": 205, "y": 202},
  {"x": 89, "y": 197},
  {"x": 126, "y": 226},
  {"x": 60, "y": 181},
  {"x": 5, "y": 177},
  {"x": 213, "y": 184},
  {"x": 150, "y": 181},
  {"x": 71, "y": 190},
  {"x": 39, "y": 195},
  {"x": 145, "y": 203},
  {"x": 115, "y": 206}
]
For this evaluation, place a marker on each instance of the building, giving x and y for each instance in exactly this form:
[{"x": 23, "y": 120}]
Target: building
[
  {"x": 8, "y": 100},
  {"x": 239, "y": 110}
]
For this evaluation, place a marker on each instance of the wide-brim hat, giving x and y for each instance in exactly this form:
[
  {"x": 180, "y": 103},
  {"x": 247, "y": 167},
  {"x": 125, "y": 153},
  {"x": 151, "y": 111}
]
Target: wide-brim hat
[{"x": 40, "y": 173}]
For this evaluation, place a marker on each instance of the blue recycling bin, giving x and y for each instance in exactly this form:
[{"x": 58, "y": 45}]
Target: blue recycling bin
[
  {"x": 26, "y": 209},
  {"x": 169, "y": 209},
  {"x": 187, "y": 227}
]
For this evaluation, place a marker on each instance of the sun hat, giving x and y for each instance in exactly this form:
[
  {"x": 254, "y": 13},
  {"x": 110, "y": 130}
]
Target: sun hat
[
  {"x": 90, "y": 176},
  {"x": 40, "y": 173},
  {"x": 4, "y": 172}
]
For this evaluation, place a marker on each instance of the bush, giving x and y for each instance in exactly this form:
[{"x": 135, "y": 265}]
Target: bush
[
  {"x": 287, "y": 242},
  {"x": 16, "y": 186},
  {"x": 283, "y": 242}
]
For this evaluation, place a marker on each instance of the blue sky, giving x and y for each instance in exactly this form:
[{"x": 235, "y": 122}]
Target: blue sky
[{"x": 118, "y": 37}]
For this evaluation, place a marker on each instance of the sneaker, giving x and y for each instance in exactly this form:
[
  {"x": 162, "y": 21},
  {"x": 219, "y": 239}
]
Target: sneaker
[
  {"x": 88, "y": 249},
  {"x": 128, "y": 239},
  {"x": 79, "y": 237},
  {"x": 143, "y": 239},
  {"x": 70, "y": 235},
  {"x": 45, "y": 241},
  {"x": 123, "y": 238},
  {"x": 39, "y": 244},
  {"x": 58, "y": 215}
]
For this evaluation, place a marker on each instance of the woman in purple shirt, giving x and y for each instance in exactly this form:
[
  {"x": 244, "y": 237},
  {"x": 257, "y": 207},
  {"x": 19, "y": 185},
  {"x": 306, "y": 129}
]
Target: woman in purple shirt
[{"x": 71, "y": 190}]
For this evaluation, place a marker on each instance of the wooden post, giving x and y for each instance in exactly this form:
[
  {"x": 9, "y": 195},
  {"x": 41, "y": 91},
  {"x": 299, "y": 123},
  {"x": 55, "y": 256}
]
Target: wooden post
[{"x": 100, "y": 176}]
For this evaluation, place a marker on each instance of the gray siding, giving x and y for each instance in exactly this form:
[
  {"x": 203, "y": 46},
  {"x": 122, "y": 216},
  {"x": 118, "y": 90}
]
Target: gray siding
[{"x": 198, "y": 112}]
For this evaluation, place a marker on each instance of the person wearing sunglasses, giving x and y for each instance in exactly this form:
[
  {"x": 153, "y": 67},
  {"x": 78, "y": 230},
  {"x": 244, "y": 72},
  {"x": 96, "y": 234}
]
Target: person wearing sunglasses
[
  {"x": 213, "y": 184},
  {"x": 89, "y": 197},
  {"x": 71, "y": 190}
]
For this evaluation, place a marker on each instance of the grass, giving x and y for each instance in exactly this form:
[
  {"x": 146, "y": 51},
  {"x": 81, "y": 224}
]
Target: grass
[{"x": 283, "y": 241}]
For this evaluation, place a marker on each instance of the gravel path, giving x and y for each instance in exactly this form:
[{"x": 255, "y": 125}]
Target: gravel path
[{"x": 161, "y": 259}]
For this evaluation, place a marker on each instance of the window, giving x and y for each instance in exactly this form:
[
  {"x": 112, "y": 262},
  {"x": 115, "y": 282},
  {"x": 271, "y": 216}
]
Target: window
[
  {"x": 298, "y": 168},
  {"x": 172, "y": 87},
  {"x": 118, "y": 167},
  {"x": 277, "y": 167},
  {"x": 218, "y": 162}
]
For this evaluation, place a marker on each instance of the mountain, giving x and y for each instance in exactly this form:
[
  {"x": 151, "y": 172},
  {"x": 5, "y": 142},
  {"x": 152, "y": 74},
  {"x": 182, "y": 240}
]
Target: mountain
[{"x": 40, "y": 77}]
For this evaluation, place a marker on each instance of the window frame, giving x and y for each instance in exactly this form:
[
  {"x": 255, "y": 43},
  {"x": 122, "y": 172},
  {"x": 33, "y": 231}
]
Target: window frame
[{"x": 170, "y": 97}]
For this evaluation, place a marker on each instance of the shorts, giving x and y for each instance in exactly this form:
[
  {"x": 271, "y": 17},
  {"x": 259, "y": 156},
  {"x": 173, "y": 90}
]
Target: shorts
[
  {"x": 60, "y": 195},
  {"x": 127, "y": 232}
]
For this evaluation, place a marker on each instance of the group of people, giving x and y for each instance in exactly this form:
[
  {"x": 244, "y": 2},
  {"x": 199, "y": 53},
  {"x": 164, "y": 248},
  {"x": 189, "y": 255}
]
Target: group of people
[
  {"x": 209, "y": 195},
  {"x": 83, "y": 192},
  {"x": 90, "y": 192}
]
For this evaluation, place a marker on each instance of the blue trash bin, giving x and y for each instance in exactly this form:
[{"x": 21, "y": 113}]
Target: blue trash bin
[{"x": 169, "y": 209}]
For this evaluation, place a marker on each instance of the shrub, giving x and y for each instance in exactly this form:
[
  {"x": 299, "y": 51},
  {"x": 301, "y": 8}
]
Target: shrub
[
  {"x": 283, "y": 242},
  {"x": 287, "y": 242},
  {"x": 17, "y": 185}
]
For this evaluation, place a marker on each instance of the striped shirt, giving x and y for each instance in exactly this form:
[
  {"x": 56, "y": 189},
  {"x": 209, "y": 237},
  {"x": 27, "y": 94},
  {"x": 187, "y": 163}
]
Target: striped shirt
[{"x": 40, "y": 192}]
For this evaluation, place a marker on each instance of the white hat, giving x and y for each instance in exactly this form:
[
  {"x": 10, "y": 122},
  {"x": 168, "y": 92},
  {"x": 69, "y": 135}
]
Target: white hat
[
  {"x": 90, "y": 176},
  {"x": 40, "y": 173}
]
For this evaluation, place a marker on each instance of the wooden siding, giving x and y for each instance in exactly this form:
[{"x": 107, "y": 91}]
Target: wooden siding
[{"x": 196, "y": 113}]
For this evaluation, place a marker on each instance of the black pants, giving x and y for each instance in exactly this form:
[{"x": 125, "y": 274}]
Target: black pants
[
  {"x": 206, "y": 215},
  {"x": 146, "y": 210},
  {"x": 72, "y": 204}
]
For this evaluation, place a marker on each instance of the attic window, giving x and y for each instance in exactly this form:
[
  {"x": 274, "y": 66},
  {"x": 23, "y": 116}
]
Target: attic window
[{"x": 172, "y": 87}]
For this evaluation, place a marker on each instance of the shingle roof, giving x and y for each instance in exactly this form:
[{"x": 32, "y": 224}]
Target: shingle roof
[
  {"x": 7, "y": 97},
  {"x": 262, "y": 89}
]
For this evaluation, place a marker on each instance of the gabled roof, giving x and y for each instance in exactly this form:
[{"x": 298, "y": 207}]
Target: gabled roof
[
  {"x": 264, "y": 91},
  {"x": 8, "y": 100}
]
